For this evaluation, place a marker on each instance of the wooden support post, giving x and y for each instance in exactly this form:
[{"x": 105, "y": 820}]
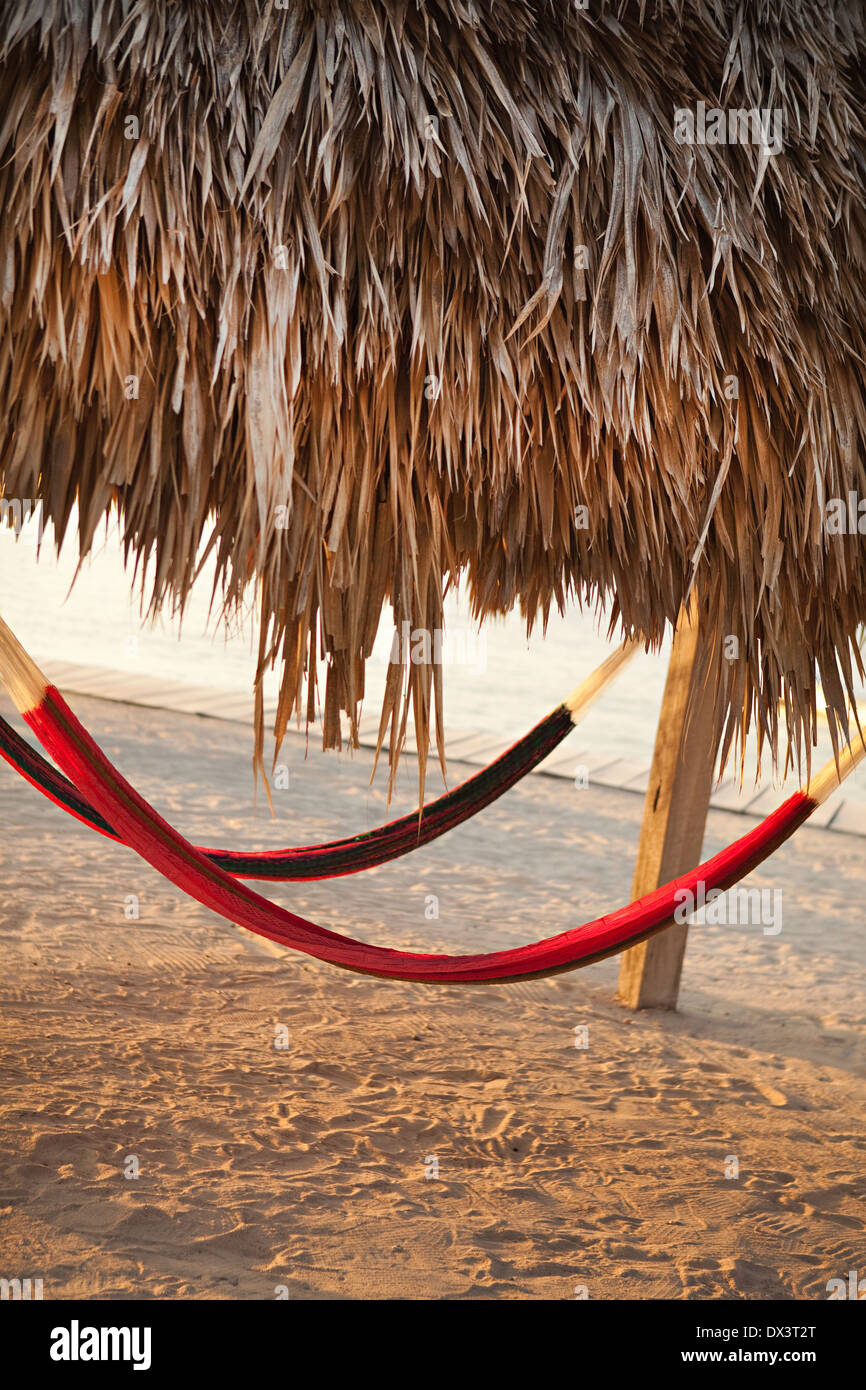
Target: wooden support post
[{"x": 675, "y": 813}]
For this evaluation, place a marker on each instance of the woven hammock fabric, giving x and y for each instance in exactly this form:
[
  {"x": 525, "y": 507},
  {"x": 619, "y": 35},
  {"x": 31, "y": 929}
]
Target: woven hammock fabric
[
  {"x": 339, "y": 857},
  {"x": 72, "y": 748},
  {"x": 358, "y": 852}
]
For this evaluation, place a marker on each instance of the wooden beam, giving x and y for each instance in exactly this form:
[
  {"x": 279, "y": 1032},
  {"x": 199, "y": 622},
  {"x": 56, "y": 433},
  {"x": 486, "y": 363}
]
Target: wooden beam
[{"x": 675, "y": 814}]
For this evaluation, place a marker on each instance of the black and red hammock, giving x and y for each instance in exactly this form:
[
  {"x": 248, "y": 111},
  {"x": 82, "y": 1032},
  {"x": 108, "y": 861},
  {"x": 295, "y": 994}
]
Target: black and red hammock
[
  {"x": 373, "y": 847},
  {"x": 144, "y": 830}
]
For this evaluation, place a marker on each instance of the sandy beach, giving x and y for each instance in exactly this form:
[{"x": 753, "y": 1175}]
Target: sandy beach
[{"x": 309, "y": 1170}]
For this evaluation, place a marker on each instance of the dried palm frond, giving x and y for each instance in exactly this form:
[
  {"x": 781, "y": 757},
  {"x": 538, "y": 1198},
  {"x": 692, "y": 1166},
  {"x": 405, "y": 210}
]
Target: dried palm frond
[{"x": 389, "y": 292}]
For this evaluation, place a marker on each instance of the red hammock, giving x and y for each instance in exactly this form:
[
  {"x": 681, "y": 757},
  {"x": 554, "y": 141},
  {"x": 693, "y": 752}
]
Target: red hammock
[
  {"x": 143, "y": 829},
  {"x": 350, "y": 856}
]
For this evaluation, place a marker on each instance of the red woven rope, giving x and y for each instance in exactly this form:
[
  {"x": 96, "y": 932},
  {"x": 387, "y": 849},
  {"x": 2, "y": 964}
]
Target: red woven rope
[{"x": 153, "y": 838}]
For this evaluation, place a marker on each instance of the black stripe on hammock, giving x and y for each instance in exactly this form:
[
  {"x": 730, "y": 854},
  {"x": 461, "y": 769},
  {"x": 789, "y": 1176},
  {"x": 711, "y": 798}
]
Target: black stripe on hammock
[{"x": 338, "y": 857}]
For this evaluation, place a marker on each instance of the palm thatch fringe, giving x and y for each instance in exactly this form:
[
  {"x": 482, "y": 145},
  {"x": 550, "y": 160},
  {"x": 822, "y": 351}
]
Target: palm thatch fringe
[{"x": 393, "y": 291}]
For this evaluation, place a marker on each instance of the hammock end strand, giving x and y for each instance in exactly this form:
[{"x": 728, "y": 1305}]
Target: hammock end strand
[{"x": 21, "y": 676}]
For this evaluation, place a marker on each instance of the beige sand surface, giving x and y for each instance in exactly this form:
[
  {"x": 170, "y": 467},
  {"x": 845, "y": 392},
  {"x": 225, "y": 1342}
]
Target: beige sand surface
[{"x": 305, "y": 1168}]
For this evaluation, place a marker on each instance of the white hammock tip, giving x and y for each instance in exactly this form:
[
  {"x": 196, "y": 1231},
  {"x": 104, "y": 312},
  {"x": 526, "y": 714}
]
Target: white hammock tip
[
  {"x": 588, "y": 691},
  {"x": 22, "y": 677},
  {"x": 831, "y": 775}
]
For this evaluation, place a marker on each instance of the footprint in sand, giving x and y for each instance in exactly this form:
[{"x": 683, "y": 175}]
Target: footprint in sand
[{"x": 777, "y": 1098}]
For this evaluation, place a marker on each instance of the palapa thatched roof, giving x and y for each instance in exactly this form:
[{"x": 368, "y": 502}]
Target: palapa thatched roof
[{"x": 339, "y": 246}]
